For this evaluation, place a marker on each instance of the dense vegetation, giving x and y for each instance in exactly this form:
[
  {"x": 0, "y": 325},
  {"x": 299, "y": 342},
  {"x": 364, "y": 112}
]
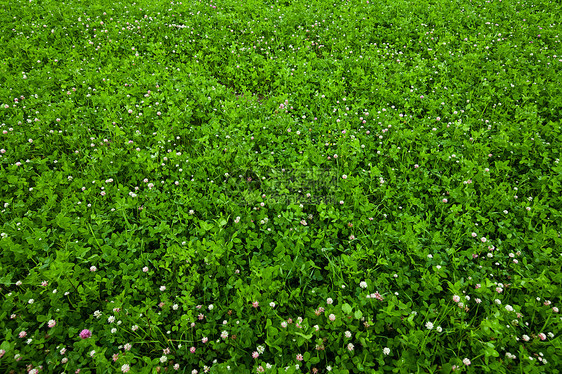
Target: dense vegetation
[{"x": 280, "y": 186}]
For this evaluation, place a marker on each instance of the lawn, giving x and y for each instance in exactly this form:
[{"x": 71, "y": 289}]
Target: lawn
[{"x": 223, "y": 186}]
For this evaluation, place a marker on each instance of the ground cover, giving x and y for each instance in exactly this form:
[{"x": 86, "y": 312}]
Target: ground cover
[{"x": 280, "y": 186}]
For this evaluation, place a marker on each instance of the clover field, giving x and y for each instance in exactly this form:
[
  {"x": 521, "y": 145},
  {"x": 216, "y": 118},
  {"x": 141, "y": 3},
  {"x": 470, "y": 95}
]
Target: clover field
[{"x": 280, "y": 186}]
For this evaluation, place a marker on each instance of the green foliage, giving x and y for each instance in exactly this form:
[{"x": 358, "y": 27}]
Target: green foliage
[{"x": 280, "y": 186}]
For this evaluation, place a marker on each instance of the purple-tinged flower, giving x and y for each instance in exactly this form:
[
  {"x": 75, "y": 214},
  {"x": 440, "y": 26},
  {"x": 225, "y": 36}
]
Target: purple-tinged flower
[{"x": 85, "y": 334}]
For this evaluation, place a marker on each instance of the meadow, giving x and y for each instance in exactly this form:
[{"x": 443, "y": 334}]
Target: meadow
[{"x": 277, "y": 186}]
